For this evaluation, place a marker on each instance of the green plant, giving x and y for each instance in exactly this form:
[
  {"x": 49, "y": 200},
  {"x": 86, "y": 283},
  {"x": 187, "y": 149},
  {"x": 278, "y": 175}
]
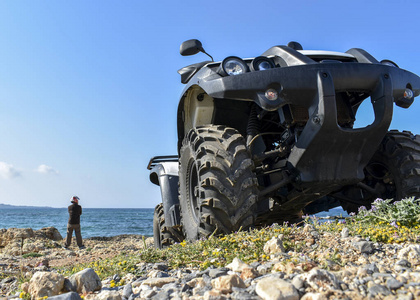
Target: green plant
[
  {"x": 406, "y": 211},
  {"x": 32, "y": 254}
]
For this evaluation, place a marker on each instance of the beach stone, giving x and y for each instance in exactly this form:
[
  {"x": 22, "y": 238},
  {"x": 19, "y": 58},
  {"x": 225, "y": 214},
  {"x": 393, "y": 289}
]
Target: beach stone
[
  {"x": 129, "y": 278},
  {"x": 378, "y": 289},
  {"x": 158, "y": 282},
  {"x": 321, "y": 279},
  {"x": 370, "y": 269},
  {"x": 214, "y": 273},
  {"x": 86, "y": 281},
  {"x": 25, "y": 287},
  {"x": 415, "y": 276},
  {"x": 148, "y": 294},
  {"x": 308, "y": 228},
  {"x": 242, "y": 296},
  {"x": 237, "y": 265},
  {"x": 68, "y": 286},
  {"x": 162, "y": 294},
  {"x": 298, "y": 283},
  {"x": 394, "y": 284},
  {"x": 227, "y": 282},
  {"x": 67, "y": 296},
  {"x": 363, "y": 246},
  {"x": 127, "y": 291},
  {"x": 273, "y": 288},
  {"x": 160, "y": 266},
  {"x": 408, "y": 296},
  {"x": 275, "y": 245},
  {"x": 249, "y": 273},
  {"x": 172, "y": 288},
  {"x": 313, "y": 296},
  {"x": 197, "y": 283},
  {"x": 264, "y": 269},
  {"x": 157, "y": 274},
  {"x": 213, "y": 294},
  {"x": 411, "y": 253},
  {"x": 402, "y": 265},
  {"x": 45, "y": 284},
  {"x": 345, "y": 233},
  {"x": 108, "y": 295}
]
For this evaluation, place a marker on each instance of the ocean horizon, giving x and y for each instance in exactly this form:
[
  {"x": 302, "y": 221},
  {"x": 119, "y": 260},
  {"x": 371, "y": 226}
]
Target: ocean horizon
[{"x": 95, "y": 222}]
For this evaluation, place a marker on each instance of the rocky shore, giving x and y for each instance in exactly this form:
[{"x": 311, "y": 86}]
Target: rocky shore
[{"x": 327, "y": 266}]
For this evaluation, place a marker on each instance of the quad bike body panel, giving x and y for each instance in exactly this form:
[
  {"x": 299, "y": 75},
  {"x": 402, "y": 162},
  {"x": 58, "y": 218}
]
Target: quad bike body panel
[
  {"x": 164, "y": 173},
  {"x": 292, "y": 111}
]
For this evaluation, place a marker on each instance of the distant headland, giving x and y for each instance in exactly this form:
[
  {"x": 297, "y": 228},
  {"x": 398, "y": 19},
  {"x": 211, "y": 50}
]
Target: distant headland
[{"x": 9, "y": 206}]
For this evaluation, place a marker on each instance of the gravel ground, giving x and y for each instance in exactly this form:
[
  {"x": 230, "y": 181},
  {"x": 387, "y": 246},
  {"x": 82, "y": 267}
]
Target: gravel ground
[{"x": 327, "y": 266}]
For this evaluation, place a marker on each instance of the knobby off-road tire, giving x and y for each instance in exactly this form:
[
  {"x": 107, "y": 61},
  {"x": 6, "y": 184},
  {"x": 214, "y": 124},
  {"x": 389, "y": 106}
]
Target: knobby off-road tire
[
  {"x": 218, "y": 188},
  {"x": 394, "y": 170},
  {"x": 163, "y": 235}
]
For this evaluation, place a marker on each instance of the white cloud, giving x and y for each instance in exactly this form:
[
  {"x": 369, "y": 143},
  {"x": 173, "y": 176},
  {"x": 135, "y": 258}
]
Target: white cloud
[
  {"x": 8, "y": 171},
  {"x": 44, "y": 169}
]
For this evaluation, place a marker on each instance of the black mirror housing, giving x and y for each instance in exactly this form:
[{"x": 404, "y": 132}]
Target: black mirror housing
[{"x": 191, "y": 47}]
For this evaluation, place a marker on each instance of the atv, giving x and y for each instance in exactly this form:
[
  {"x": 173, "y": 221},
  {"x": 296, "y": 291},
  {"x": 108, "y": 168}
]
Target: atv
[{"x": 267, "y": 139}]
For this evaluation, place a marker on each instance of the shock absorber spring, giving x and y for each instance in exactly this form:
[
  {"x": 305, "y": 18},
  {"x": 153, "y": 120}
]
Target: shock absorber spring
[{"x": 253, "y": 127}]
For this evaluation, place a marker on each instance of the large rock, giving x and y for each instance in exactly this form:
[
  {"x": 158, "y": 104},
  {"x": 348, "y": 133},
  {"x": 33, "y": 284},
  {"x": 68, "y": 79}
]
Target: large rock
[
  {"x": 274, "y": 288},
  {"x": 30, "y": 247},
  {"x": 50, "y": 233},
  {"x": 6, "y": 236},
  {"x": 45, "y": 284},
  {"x": 17, "y": 241},
  {"x": 275, "y": 245},
  {"x": 227, "y": 282},
  {"x": 86, "y": 281}
]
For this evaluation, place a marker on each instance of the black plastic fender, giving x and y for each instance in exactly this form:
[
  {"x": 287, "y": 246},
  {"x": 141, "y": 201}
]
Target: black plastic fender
[{"x": 165, "y": 174}]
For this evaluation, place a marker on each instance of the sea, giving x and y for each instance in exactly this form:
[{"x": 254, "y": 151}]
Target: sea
[{"x": 95, "y": 222}]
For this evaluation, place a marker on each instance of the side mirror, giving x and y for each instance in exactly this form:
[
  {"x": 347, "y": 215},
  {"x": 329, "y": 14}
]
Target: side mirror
[{"x": 191, "y": 47}]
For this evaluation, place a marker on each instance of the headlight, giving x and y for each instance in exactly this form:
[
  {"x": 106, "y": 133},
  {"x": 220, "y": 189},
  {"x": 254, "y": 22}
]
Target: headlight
[
  {"x": 388, "y": 62},
  {"x": 233, "y": 65},
  {"x": 408, "y": 94},
  {"x": 261, "y": 63}
]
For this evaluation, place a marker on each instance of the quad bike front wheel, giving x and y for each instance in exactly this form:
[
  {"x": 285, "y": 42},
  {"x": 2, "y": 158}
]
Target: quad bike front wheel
[
  {"x": 163, "y": 235},
  {"x": 218, "y": 188},
  {"x": 392, "y": 173}
]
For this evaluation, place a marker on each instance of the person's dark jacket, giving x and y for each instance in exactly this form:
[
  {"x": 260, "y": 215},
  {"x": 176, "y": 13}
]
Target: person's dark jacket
[{"x": 75, "y": 210}]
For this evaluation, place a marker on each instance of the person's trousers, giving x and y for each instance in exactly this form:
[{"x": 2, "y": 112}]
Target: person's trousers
[{"x": 76, "y": 228}]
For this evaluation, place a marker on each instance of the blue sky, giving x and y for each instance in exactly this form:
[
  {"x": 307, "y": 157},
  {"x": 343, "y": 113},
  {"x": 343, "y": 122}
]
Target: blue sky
[{"x": 89, "y": 89}]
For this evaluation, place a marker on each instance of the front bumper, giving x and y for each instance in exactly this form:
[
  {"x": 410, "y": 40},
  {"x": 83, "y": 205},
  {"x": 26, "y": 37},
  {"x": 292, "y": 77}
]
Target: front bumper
[
  {"x": 325, "y": 152},
  {"x": 298, "y": 84}
]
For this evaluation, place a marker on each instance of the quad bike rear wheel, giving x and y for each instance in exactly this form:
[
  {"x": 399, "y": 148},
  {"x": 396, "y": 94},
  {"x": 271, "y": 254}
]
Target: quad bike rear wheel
[
  {"x": 392, "y": 173},
  {"x": 163, "y": 235},
  {"x": 218, "y": 188}
]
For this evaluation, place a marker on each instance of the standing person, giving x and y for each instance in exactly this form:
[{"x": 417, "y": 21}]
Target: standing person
[{"x": 75, "y": 210}]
